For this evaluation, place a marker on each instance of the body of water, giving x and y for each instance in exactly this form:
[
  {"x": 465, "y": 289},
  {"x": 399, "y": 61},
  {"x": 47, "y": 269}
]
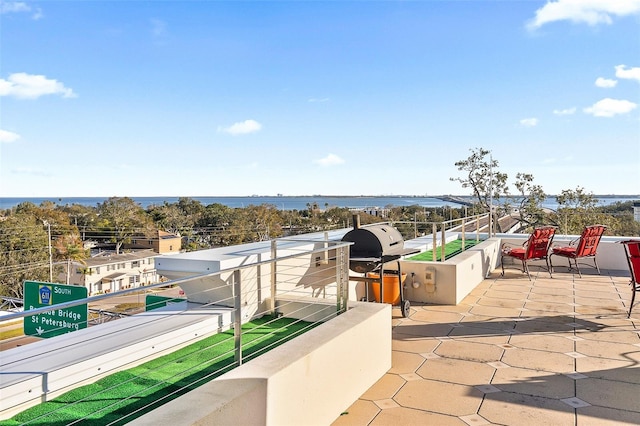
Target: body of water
[{"x": 287, "y": 202}]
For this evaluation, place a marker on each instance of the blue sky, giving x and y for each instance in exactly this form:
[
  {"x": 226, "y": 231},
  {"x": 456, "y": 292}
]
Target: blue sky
[{"x": 217, "y": 98}]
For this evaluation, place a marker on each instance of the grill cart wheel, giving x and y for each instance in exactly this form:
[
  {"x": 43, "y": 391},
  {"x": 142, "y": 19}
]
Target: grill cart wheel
[{"x": 406, "y": 308}]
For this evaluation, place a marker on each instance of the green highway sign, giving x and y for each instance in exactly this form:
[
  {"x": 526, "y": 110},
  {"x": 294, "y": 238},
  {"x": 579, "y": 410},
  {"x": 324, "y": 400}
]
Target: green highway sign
[
  {"x": 154, "y": 302},
  {"x": 56, "y": 321}
]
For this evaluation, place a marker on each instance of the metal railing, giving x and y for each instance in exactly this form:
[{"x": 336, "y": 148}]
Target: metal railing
[
  {"x": 303, "y": 280},
  {"x": 437, "y": 230}
]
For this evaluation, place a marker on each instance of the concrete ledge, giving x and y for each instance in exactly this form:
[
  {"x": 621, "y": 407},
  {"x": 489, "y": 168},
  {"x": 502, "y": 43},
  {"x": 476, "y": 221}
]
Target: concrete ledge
[
  {"x": 309, "y": 380},
  {"x": 41, "y": 371},
  {"x": 448, "y": 282},
  {"x": 310, "y": 309}
]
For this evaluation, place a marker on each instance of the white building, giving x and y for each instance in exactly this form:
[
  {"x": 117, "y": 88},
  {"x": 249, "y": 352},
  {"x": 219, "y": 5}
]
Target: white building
[{"x": 109, "y": 272}]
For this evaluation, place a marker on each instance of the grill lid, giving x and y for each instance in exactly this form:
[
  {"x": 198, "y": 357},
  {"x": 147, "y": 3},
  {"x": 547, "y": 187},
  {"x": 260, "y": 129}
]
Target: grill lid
[
  {"x": 375, "y": 241},
  {"x": 374, "y": 245}
]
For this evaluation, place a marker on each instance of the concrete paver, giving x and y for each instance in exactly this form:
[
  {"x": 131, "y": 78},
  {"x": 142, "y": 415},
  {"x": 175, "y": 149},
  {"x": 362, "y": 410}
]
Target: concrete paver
[{"x": 550, "y": 351}]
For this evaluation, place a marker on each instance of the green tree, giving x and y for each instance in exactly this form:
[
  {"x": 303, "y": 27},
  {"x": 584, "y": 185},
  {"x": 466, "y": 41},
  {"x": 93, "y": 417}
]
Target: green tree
[
  {"x": 577, "y": 209},
  {"x": 625, "y": 224},
  {"x": 69, "y": 247},
  {"x": 170, "y": 218},
  {"x": 84, "y": 218},
  {"x": 213, "y": 227},
  {"x": 24, "y": 252},
  {"x": 191, "y": 208},
  {"x": 337, "y": 217},
  {"x": 265, "y": 220},
  {"x": 123, "y": 218}
]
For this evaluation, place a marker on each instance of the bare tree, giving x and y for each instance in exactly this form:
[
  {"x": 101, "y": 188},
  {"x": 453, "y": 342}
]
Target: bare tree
[
  {"x": 483, "y": 178},
  {"x": 531, "y": 197}
]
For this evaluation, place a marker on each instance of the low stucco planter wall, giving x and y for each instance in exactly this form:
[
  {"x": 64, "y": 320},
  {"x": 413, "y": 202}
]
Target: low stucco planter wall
[
  {"x": 43, "y": 370},
  {"x": 307, "y": 381},
  {"x": 448, "y": 282}
]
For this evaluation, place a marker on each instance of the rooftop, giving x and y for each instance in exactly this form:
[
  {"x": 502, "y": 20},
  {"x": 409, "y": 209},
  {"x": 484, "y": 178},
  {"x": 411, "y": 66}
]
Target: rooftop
[
  {"x": 512, "y": 351},
  {"x": 556, "y": 351}
]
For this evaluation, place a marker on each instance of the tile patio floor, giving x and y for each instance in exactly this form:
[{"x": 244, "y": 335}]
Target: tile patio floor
[{"x": 548, "y": 351}]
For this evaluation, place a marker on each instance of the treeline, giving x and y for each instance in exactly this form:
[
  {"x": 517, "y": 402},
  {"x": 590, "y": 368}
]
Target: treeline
[{"x": 32, "y": 236}]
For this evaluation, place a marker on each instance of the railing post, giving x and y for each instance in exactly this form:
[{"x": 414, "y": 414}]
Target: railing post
[
  {"x": 463, "y": 226},
  {"x": 342, "y": 279},
  {"x": 442, "y": 242},
  {"x": 325, "y": 254},
  {"x": 237, "y": 321},
  {"x": 273, "y": 277},
  {"x": 434, "y": 232}
]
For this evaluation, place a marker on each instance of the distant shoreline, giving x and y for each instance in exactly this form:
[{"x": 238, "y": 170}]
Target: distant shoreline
[
  {"x": 282, "y": 196},
  {"x": 300, "y": 202}
]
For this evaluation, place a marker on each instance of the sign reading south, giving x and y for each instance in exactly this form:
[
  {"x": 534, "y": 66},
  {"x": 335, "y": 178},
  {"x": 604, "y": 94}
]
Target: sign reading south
[{"x": 56, "y": 321}]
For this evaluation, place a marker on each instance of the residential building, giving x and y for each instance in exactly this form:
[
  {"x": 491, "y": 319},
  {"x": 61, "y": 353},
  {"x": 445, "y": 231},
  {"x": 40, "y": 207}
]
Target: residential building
[
  {"x": 111, "y": 272},
  {"x": 163, "y": 242}
]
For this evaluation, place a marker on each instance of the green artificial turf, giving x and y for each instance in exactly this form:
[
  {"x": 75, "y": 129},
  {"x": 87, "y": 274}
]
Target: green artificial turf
[
  {"x": 450, "y": 250},
  {"x": 116, "y": 399}
]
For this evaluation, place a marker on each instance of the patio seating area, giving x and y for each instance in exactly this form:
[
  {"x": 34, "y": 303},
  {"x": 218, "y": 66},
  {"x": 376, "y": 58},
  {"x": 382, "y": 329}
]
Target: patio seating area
[{"x": 546, "y": 351}]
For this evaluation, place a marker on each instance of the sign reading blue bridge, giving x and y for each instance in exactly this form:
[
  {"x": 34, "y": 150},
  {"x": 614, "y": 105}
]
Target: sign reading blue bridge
[{"x": 56, "y": 321}]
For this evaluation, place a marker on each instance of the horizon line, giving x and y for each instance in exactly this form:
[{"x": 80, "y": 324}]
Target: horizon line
[{"x": 291, "y": 196}]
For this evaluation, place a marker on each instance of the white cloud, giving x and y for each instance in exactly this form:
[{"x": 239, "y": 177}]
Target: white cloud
[
  {"x": 609, "y": 107},
  {"x": 20, "y": 7},
  {"x": 529, "y": 122},
  {"x": 7, "y": 136},
  {"x": 14, "y": 6},
  {"x": 591, "y": 12},
  {"x": 566, "y": 111},
  {"x": 329, "y": 160},
  {"x": 631, "y": 73},
  {"x": 605, "y": 83},
  {"x": 242, "y": 128},
  {"x": 29, "y": 86}
]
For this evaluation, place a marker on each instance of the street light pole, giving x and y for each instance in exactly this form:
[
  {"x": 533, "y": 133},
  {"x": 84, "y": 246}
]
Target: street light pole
[{"x": 48, "y": 225}]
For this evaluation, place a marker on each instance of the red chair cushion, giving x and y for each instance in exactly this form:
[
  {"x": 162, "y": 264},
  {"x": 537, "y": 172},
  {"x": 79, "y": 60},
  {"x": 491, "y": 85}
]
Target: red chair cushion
[
  {"x": 518, "y": 253},
  {"x": 565, "y": 251}
]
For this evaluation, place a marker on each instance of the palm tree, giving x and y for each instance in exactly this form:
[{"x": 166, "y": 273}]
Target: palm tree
[{"x": 69, "y": 247}]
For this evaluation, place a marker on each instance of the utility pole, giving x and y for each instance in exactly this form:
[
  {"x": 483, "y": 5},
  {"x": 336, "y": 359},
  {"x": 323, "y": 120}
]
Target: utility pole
[{"x": 48, "y": 225}]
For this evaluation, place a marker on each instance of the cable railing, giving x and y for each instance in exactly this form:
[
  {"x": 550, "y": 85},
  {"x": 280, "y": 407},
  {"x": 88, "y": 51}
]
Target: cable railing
[
  {"x": 466, "y": 227},
  {"x": 240, "y": 309}
]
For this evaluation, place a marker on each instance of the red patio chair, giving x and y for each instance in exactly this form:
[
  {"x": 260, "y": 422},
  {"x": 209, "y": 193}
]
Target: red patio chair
[
  {"x": 632, "y": 250},
  {"x": 535, "y": 248},
  {"x": 585, "y": 248}
]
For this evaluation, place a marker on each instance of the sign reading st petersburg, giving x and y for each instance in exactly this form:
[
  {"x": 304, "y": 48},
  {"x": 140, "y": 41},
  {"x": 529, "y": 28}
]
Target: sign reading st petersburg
[{"x": 56, "y": 321}]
